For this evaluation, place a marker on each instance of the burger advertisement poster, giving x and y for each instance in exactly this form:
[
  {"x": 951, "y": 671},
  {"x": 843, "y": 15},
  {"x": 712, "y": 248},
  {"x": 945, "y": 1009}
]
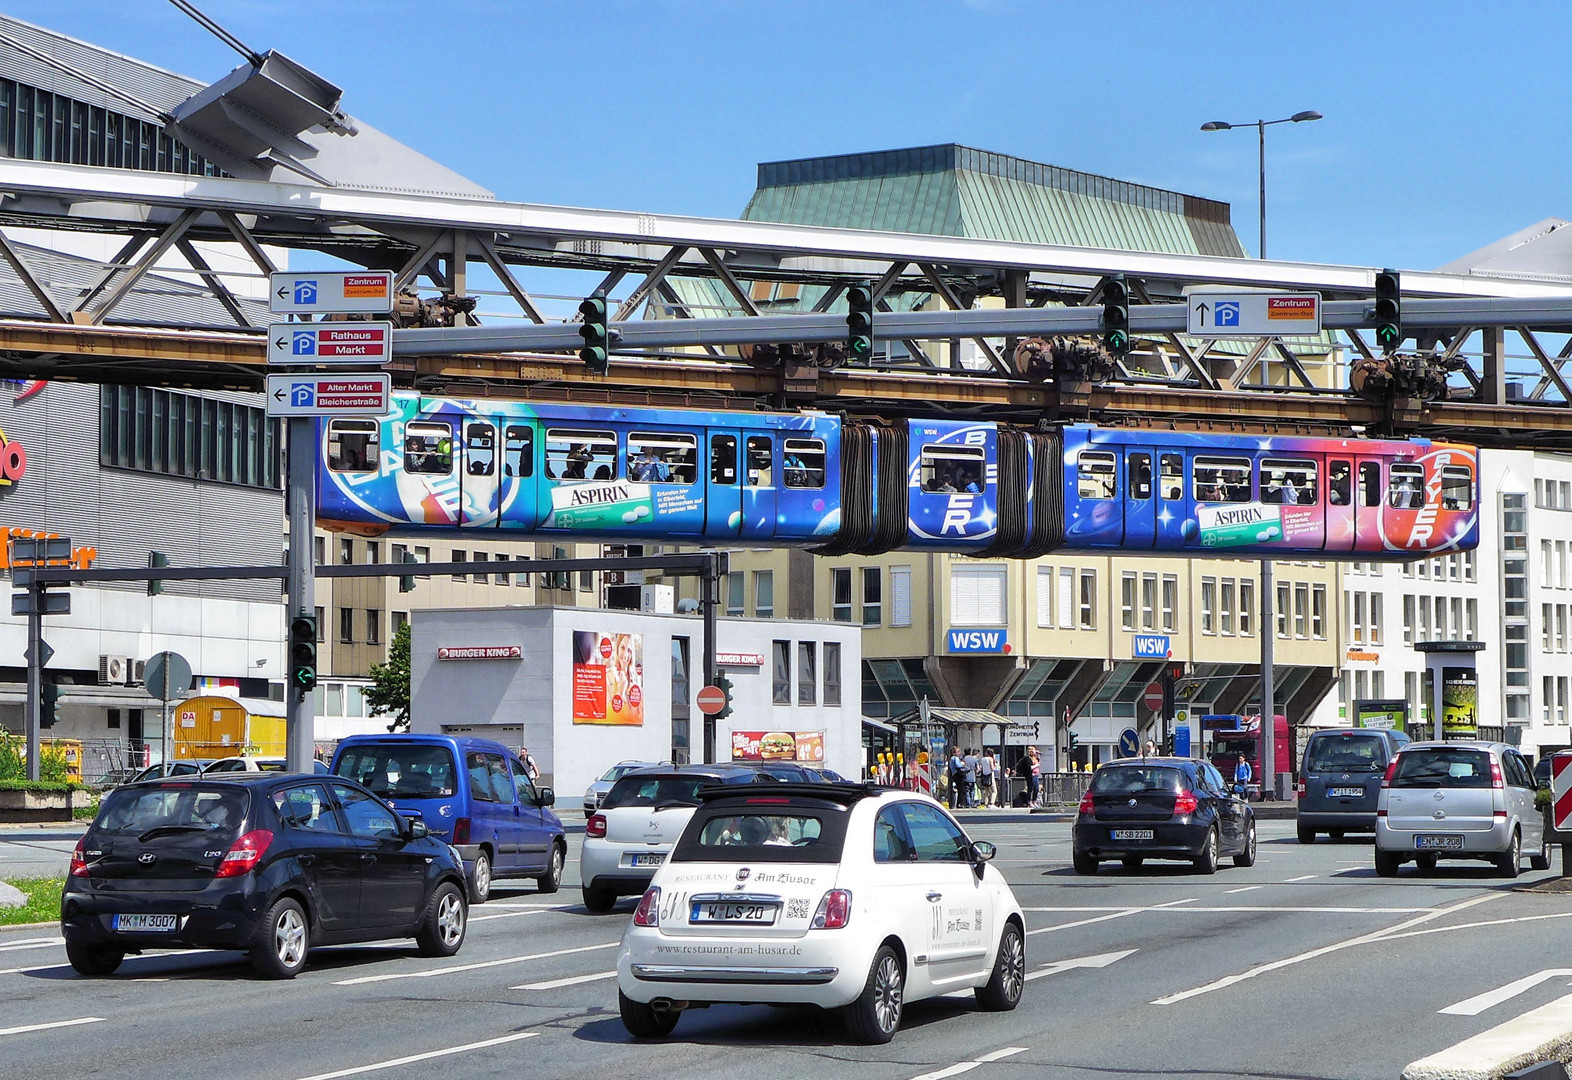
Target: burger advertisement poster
[
  {"x": 608, "y": 678},
  {"x": 804, "y": 746}
]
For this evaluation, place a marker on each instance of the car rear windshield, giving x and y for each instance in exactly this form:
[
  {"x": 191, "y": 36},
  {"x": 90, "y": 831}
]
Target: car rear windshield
[
  {"x": 1129, "y": 779},
  {"x": 400, "y": 770},
  {"x": 1442, "y": 767},
  {"x": 764, "y": 830},
  {"x": 177, "y": 807},
  {"x": 1345, "y": 753},
  {"x": 656, "y": 790}
]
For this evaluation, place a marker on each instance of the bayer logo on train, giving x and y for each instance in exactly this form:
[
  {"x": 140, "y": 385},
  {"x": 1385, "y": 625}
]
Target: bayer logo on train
[{"x": 843, "y": 485}]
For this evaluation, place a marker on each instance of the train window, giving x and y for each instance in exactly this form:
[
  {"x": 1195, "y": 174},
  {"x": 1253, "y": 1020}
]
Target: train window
[
  {"x": 576, "y": 454},
  {"x": 1289, "y": 480},
  {"x": 1339, "y": 484},
  {"x": 428, "y": 448},
  {"x": 662, "y": 458},
  {"x": 518, "y": 450},
  {"x": 1408, "y": 487},
  {"x": 803, "y": 466},
  {"x": 1222, "y": 479},
  {"x": 1170, "y": 479},
  {"x": 1139, "y": 469},
  {"x": 354, "y": 445},
  {"x": 480, "y": 449},
  {"x": 1095, "y": 475},
  {"x": 952, "y": 468},
  {"x": 1369, "y": 483},
  {"x": 723, "y": 459},
  {"x": 760, "y": 461},
  {"x": 1457, "y": 487}
]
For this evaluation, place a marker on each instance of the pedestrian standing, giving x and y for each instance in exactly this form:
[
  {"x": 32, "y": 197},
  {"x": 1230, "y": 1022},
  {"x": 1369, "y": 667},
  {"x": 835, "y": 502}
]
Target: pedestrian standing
[
  {"x": 1035, "y": 780},
  {"x": 969, "y": 767},
  {"x": 957, "y": 774},
  {"x": 985, "y": 777}
]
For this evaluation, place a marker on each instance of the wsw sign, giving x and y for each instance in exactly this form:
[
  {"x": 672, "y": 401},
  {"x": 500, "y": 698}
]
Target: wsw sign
[{"x": 979, "y": 641}]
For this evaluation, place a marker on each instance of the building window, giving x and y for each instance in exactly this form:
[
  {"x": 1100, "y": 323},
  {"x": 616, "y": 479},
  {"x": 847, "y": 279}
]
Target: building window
[
  {"x": 373, "y": 626},
  {"x": 900, "y": 596},
  {"x": 1318, "y": 615},
  {"x": 736, "y": 584},
  {"x": 400, "y": 620},
  {"x": 586, "y": 581},
  {"x": 1088, "y": 599},
  {"x": 977, "y": 594},
  {"x": 501, "y": 578},
  {"x": 1319, "y": 608},
  {"x": 1127, "y": 600},
  {"x": 764, "y": 594},
  {"x": 780, "y": 685},
  {"x": 1282, "y": 610},
  {"x": 113, "y": 718},
  {"x": 1359, "y": 616},
  {"x": 1408, "y": 619},
  {"x": 346, "y": 625},
  {"x": 177, "y": 434},
  {"x": 1226, "y": 600},
  {"x": 872, "y": 596},
  {"x": 1246, "y": 607},
  {"x": 832, "y": 673},
  {"x": 319, "y": 549},
  {"x": 1208, "y": 605},
  {"x": 1148, "y": 601},
  {"x": 1170, "y": 601},
  {"x": 346, "y": 551},
  {"x": 1301, "y": 609},
  {"x": 1066, "y": 598},
  {"x": 460, "y": 556},
  {"x": 373, "y": 552},
  {"x": 807, "y": 674},
  {"x": 841, "y": 594},
  {"x": 422, "y": 554}
]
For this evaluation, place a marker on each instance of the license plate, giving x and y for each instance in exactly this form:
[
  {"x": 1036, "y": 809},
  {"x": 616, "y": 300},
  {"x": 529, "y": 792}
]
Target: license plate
[
  {"x": 150, "y": 923},
  {"x": 711, "y": 912},
  {"x": 1431, "y": 842},
  {"x": 647, "y": 860},
  {"x": 1132, "y": 834},
  {"x": 1345, "y": 792}
]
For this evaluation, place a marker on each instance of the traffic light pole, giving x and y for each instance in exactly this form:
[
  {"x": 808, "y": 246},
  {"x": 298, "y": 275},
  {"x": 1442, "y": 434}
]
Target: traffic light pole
[
  {"x": 709, "y": 599},
  {"x": 35, "y": 676},
  {"x": 300, "y": 495}
]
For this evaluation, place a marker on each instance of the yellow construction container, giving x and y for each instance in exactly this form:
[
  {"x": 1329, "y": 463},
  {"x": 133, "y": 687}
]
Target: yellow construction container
[
  {"x": 72, "y": 749},
  {"x": 212, "y": 726}
]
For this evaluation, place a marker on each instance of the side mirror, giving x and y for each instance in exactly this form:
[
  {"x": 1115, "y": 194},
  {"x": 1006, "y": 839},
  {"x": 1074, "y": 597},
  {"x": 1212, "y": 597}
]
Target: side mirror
[
  {"x": 417, "y": 828},
  {"x": 545, "y": 797},
  {"x": 983, "y": 851}
]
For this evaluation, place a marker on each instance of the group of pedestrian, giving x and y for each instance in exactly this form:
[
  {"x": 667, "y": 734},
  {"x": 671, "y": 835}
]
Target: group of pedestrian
[{"x": 972, "y": 779}]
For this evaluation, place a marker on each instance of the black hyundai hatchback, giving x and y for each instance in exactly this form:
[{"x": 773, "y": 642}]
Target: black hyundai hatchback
[
  {"x": 270, "y": 863},
  {"x": 1161, "y": 808}
]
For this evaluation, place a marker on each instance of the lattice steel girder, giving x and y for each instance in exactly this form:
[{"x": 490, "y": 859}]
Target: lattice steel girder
[{"x": 113, "y": 196}]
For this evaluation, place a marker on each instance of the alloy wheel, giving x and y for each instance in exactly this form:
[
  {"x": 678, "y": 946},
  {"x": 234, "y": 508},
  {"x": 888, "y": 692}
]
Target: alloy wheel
[
  {"x": 289, "y": 938},
  {"x": 888, "y": 986},
  {"x": 450, "y": 919}
]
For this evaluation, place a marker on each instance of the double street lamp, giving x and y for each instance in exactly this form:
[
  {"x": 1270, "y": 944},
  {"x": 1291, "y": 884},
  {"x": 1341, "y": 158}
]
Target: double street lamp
[{"x": 1260, "y": 127}]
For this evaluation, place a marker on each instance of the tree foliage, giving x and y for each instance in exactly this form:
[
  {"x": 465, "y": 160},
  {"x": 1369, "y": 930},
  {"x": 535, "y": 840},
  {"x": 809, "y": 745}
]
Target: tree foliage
[{"x": 388, "y": 694}]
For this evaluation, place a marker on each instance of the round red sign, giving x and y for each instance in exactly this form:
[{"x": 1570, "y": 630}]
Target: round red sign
[
  {"x": 711, "y": 699},
  {"x": 605, "y": 648},
  {"x": 1154, "y": 697}
]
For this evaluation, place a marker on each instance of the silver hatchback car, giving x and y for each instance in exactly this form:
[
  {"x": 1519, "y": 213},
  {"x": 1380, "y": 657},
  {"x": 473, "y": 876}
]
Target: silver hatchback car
[{"x": 1459, "y": 800}]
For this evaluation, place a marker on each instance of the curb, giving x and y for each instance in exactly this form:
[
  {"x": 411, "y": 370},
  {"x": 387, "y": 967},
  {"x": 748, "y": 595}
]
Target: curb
[{"x": 1543, "y": 1035}]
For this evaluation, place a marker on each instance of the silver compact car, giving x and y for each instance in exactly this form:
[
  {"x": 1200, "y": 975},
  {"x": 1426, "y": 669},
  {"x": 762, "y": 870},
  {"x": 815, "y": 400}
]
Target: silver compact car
[
  {"x": 1459, "y": 800},
  {"x": 596, "y": 793}
]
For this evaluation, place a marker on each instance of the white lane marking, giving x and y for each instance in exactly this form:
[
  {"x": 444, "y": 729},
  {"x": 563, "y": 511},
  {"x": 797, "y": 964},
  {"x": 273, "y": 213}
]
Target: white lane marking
[
  {"x": 1247, "y": 888},
  {"x": 503, "y": 915},
  {"x": 1534, "y": 1036},
  {"x": 1483, "y": 922},
  {"x": 145, "y": 956},
  {"x": 1289, "y": 961},
  {"x": 1480, "y": 1002},
  {"x": 574, "y": 981},
  {"x": 1351, "y": 870},
  {"x": 1118, "y": 913},
  {"x": 474, "y": 967},
  {"x": 1287, "y": 909},
  {"x": 967, "y": 1066},
  {"x": 1306, "y": 877},
  {"x": 1054, "y": 967},
  {"x": 423, "y": 1057},
  {"x": 31, "y": 943},
  {"x": 55, "y": 1024}
]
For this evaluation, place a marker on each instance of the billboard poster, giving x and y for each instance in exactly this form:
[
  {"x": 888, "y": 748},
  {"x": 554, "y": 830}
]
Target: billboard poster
[
  {"x": 1387, "y": 715},
  {"x": 1459, "y": 703},
  {"x": 608, "y": 678},
  {"x": 804, "y": 746}
]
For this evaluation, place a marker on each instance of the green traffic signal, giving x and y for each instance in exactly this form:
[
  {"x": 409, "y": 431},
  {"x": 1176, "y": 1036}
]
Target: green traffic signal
[
  {"x": 1389, "y": 309},
  {"x": 155, "y": 559},
  {"x": 48, "y": 695},
  {"x": 1116, "y": 315},
  {"x": 406, "y": 582},
  {"x": 303, "y": 653},
  {"x": 596, "y": 333},
  {"x": 859, "y": 322}
]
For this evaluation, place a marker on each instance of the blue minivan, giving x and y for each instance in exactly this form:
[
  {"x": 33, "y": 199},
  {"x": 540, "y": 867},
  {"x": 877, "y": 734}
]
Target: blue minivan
[{"x": 474, "y": 793}]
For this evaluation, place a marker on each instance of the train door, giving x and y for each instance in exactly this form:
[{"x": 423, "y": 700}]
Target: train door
[
  {"x": 1339, "y": 504},
  {"x": 1406, "y": 525},
  {"x": 478, "y": 483},
  {"x": 723, "y": 497},
  {"x": 1172, "y": 508},
  {"x": 1094, "y": 516},
  {"x": 1293, "y": 491},
  {"x": 1140, "y": 498},
  {"x": 517, "y": 505},
  {"x": 1369, "y": 492},
  {"x": 428, "y": 490},
  {"x": 759, "y": 479}
]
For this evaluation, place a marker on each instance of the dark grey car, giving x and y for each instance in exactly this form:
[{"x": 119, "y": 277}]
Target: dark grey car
[{"x": 1340, "y": 780}]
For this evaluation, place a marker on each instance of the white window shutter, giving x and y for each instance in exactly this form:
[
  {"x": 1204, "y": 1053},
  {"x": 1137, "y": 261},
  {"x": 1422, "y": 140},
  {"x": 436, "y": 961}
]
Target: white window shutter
[{"x": 900, "y": 596}]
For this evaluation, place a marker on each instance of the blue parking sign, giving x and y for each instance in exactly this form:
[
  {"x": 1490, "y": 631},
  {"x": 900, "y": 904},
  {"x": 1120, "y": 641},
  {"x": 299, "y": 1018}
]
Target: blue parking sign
[
  {"x": 1226, "y": 313},
  {"x": 305, "y": 292},
  {"x": 304, "y": 343}
]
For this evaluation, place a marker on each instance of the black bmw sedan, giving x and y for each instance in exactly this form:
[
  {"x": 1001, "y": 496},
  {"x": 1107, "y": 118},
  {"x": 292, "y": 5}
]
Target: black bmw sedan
[
  {"x": 270, "y": 863},
  {"x": 1161, "y": 808}
]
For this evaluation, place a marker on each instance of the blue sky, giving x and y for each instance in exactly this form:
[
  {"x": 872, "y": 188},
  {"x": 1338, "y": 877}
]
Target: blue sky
[{"x": 1439, "y": 133}]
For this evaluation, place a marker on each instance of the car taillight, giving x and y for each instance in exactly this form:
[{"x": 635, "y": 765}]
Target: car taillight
[
  {"x": 1086, "y": 806},
  {"x": 78, "y": 860},
  {"x": 461, "y": 830},
  {"x": 834, "y": 910},
  {"x": 1185, "y": 803},
  {"x": 1495, "y": 776},
  {"x": 1386, "y": 777},
  {"x": 244, "y": 854},
  {"x": 648, "y": 911},
  {"x": 1301, "y": 788},
  {"x": 595, "y": 826}
]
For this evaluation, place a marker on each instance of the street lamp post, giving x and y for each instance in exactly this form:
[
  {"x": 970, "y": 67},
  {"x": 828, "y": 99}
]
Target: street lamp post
[{"x": 1268, "y": 588}]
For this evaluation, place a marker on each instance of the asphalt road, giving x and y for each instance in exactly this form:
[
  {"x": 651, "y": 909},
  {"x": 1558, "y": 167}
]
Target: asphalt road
[{"x": 1305, "y": 965}]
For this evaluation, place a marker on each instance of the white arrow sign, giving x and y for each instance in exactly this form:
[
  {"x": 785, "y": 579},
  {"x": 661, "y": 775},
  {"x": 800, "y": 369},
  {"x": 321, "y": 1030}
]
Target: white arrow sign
[
  {"x": 365, "y": 291},
  {"x": 1219, "y": 314},
  {"x": 1479, "y": 1003},
  {"x": 1102, "y": 960}
]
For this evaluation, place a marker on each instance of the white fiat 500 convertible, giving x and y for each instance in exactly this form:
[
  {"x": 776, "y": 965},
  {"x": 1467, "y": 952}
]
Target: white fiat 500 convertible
[{"x": 845, "y": 896}]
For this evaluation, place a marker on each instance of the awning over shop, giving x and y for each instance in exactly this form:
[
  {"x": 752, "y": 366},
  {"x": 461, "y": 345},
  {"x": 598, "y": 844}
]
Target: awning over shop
[{"x": 951, "y": 717}]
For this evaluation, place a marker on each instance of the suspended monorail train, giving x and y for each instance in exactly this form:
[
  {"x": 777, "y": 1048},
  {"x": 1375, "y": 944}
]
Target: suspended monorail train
[{"x": 843, "y": 485}]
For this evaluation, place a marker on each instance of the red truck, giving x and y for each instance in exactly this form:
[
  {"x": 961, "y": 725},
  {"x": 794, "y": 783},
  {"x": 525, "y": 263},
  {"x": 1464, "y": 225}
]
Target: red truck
[{"x": 1232, "y": 735}]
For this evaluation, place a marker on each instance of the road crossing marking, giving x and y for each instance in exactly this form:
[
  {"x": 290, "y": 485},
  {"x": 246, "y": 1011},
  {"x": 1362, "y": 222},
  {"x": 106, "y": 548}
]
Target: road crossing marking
[
  {"x": 967, "y": 1066},
  {"x": 1306, "y": 877},
  {"x": 1118, "y": 913},
  {"x": 1247, "y": 888},
  {"x": 56, "y": 1024},
  {"x": 574, "y": 981},
  {"x": 427, "y": 1056},
  {"x": 1480, "y": 1002},
  {"x": 473, "y": 967}
]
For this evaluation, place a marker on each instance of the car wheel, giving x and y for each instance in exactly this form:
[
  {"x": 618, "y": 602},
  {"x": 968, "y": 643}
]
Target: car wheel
[
  {"x": 1084, "y": 864},
  {"x": 94, "y": 961},
  {"x": 1206, "y": 862},
  {"x": 1507, "y": 862},
  {"x": 1003, "y": 989},
  {"x": 1132, "y": 862},
  {"x": 286, "y": 939},
  {"x": 480, "y": 879},
  {"x": 599, "y": 901},
  {"x": 447, "y": 918},
  {"x": 643, "y": 1021},
  {"x": 875, "y": 1015},
  {"x": 1246, "y": 856},
  {"x": 1306, "y": 836},
  {"x": 1386, "y": 863},
  {"x": 551, "y": 880},
  {"x": 1425, "y": 863},
  {"x": 1541, "y": 861},
  {"x": 1335, "y": 834}
]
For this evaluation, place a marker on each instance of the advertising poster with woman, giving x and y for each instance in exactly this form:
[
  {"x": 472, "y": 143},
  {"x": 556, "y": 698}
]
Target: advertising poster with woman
[{"x": 608, "y": 678}]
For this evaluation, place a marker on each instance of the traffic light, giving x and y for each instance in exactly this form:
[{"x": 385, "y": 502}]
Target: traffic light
[
  {"x": 1170, "y": 744},
  {"x": 156, "y": 559},
  {"x": 48, "y": 694},
  {"x": 724, "y": 684},
  {"x": 859, "y": 323},
  {"x": 1074, "y": 740},
  {"x": 1389, "y": 310},
  {"x": 303, "y": 652},
  {"x": 406, "y": 582},
  {"x": 596, "y": 352},
  {"x": 1116, "y": 315}
]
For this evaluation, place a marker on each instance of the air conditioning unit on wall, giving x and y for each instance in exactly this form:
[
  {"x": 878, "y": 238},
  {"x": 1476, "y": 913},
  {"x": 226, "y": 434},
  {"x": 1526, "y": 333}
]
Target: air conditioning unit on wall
[
  {"x": 134, "y": 672},
  {"x": 111, "y": 670}
]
